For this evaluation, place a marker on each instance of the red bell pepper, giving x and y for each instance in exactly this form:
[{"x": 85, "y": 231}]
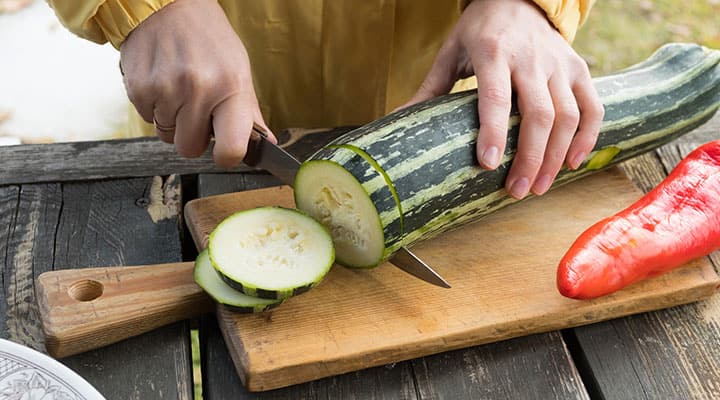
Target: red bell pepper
[{"x": 679, "y": 220}]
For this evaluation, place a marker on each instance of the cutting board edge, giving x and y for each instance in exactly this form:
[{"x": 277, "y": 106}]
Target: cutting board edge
[{"x": 275, "y": 378}]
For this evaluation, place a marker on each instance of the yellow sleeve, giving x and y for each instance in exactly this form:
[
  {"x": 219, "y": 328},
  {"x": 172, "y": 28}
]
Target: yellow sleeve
[
  {"x": 566, "y": 15},
  {"x": 104, "y": 20}
]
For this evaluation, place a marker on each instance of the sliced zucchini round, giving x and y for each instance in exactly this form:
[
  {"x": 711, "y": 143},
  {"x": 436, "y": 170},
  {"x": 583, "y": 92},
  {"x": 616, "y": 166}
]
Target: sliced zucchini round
[
  {"x": 332, "y": 195},
  {"x": 208, "y": 279},
  {"x": 271, "y": 252}
]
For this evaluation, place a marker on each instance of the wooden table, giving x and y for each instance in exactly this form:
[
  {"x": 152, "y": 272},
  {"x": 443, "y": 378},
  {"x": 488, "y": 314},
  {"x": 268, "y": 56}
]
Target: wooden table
[{"x": 119, "y": 203}]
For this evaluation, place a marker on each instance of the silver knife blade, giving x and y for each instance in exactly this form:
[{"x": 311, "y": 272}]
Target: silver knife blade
[
  {"x": 407, "y": 261},
  {"x": 265, "y": 154}
]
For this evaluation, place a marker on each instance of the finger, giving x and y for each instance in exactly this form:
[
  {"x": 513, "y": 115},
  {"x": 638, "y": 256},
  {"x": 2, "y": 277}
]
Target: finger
[
  {"x": 164, "y": 119},
  {"x": 232, "y": 122},
  {"x": 591, "y": 117},
  {"x": 536, "y": 108},
  {"x": 561, "y": 135},
  {"x": 440, "y": 79},
  {"x": 494, "y": 102},
  {"x": 192, "y": 132},
  {"x": 141, "y": 94}
]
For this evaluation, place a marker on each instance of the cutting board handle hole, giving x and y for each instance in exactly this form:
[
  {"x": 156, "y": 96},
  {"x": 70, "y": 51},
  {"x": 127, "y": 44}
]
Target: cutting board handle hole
[{"x": 86, "y": 290}]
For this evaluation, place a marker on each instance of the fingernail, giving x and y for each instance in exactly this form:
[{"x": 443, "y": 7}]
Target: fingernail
[
  {"x": 491, "y": 157},
  {"x": 577, "y": 160},
  {"x": 542, "y": 184},
  {"x": 519, "y": 188}
]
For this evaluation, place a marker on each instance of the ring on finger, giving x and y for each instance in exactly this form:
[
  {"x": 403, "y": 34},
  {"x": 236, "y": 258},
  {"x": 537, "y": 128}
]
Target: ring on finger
[{"x": 162, "y": 128}]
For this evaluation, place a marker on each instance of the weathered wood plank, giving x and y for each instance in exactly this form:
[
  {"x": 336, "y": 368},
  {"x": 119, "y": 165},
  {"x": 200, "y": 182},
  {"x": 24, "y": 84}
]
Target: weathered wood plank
[
  {"x": 441, "y": 376},
  {"x": 127, "y": 158},
  {"x": 95, "y": 160},
  {"x": 704, "y": 133},
  {"x": 220, "y": 379},
  {"x": 128, "y": 222},
  {"x": 9, "y": 196},
  {"x": 94, "y": 224},
  {"x": 30, "y": 248},
  {"x": 210, "y": 184},
  {"x": 665, "y": 354},
  {"x": 531, "y": 367},
  {"x": 671, "y": 353}
]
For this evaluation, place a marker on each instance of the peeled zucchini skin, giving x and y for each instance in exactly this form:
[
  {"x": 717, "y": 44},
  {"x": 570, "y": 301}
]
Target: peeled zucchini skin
[{"x": 428, "y": 150}]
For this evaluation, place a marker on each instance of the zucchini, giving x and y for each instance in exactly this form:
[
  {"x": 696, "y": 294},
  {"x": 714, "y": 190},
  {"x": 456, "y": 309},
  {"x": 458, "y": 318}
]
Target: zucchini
[
  {"x": 271, "y": 252},
  {"x": 208, "y": 279},
  {"x": 413, "y": 174}
]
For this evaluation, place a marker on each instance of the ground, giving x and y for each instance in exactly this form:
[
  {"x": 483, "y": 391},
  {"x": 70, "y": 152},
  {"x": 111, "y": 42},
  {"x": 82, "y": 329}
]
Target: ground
[{"x": 619, "y": 33}]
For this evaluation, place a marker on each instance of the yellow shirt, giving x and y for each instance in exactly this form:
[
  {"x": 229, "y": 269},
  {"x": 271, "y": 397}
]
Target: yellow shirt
[{"x": 319, "y": 63}]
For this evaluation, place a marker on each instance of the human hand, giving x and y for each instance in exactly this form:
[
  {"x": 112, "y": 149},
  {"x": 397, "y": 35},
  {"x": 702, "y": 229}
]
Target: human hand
[
  {"x": 186, "y": 71},
  {"x": 510, "y": 44}
]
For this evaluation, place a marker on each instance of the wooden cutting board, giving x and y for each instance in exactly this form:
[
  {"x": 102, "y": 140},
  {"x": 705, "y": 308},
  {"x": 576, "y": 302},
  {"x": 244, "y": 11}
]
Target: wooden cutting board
[{"x": 502, "y": 272}]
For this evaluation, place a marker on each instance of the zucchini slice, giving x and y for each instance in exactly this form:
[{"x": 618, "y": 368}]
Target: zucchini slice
[
  {"x": 340, "y": 203},
  {"x": 413, "y": 174},
  {"x": 271, "y": 252},
  {"x": 208, "y": 279}
]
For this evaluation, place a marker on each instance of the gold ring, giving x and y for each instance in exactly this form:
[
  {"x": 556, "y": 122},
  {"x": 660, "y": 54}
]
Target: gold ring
[{"x": 164, "y": 129}]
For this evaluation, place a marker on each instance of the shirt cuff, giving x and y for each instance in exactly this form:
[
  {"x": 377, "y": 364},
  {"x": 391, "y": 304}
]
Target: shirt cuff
[
  {"x": 104, "y": 21},
  {"x": 566, "y": 16}
]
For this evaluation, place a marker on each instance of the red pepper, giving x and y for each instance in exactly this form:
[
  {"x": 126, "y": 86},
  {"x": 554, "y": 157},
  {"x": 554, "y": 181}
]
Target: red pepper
[{"x": 679, "y": 220}]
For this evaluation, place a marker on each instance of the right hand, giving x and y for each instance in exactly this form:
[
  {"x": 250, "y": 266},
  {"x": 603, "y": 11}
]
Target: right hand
[
  {"x": 560, "y": 108},
  {"x": 186, "y": 71}
]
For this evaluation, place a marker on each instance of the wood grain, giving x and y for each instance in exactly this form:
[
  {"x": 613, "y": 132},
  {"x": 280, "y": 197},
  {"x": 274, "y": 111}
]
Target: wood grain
[
  {"x": 82, "y": 224},
  {"x": 221, "y": 381},
  {"x": 139, "y": 157},
  {"x": 88, "y": 308},
  {"x": 503, "y": 276},
  {"x": 531, "y": 367},
  {"x": 489, "y": 368},
  {"x": 8, "y": 209},
  {"x": 30, "y": 249}
]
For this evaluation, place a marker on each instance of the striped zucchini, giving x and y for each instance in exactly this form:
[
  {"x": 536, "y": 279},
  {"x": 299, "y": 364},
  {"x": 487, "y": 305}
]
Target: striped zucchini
[{"x": 413, "y": 174}]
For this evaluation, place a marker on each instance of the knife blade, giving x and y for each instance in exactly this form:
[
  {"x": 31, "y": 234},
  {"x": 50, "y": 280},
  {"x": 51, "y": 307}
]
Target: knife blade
[{"x": 264, "y": 154}]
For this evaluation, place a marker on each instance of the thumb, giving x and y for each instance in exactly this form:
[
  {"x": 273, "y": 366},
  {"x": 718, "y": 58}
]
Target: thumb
[{"x": 439, "y": 80}]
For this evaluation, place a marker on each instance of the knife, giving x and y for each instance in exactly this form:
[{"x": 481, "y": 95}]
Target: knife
[{"x": 266, "y": 155}]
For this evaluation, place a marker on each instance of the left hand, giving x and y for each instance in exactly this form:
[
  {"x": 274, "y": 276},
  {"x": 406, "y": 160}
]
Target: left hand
[{"x": 510, "y": 44}]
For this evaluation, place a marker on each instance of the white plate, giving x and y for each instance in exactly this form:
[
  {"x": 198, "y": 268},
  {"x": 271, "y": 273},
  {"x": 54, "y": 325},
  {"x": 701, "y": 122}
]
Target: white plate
[{"x": 29, "y": 374}]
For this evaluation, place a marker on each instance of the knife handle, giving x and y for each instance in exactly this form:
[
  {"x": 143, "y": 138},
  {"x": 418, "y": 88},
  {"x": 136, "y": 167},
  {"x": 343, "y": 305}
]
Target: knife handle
[
  {"x": 84, "y": 309},
  {"x": 253, "y": 148}
]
